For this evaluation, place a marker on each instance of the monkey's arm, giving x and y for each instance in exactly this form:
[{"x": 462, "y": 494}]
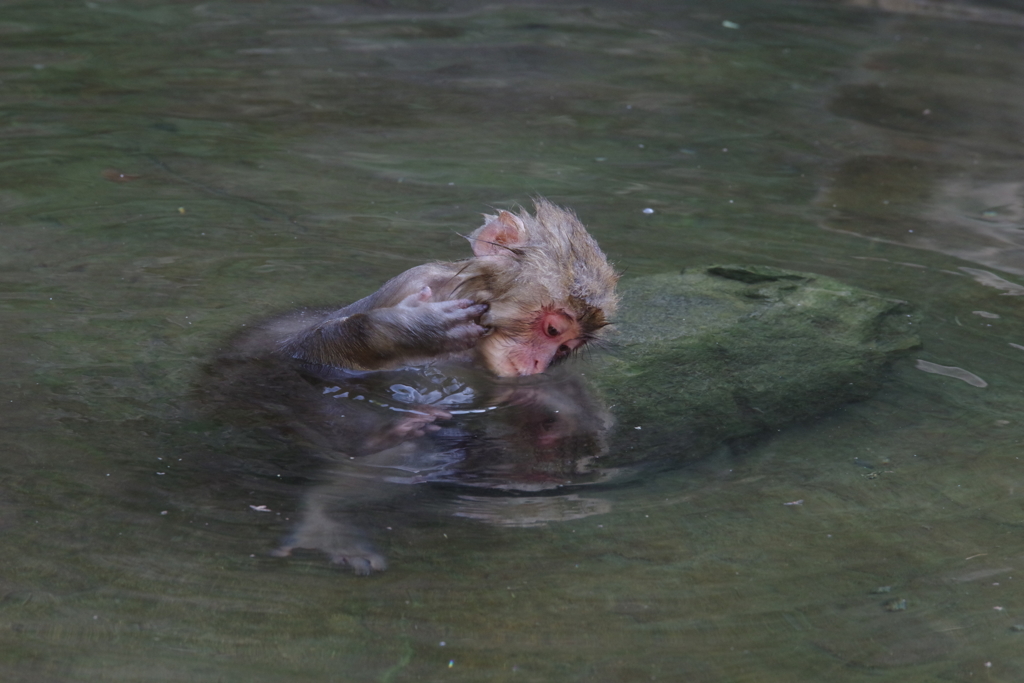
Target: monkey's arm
[{"x": 414, "y": 330}]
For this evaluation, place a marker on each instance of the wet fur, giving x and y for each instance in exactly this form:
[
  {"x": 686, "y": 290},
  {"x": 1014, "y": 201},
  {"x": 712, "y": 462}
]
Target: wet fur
[
  {"x": 551, "y": 264},
  {"x": 560, "y": 263}
]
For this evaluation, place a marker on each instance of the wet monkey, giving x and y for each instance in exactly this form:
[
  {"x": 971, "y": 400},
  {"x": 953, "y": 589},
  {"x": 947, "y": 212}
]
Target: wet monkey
[
  {"x": 537, "y": 288},
  {"x": 359, "y": 386}
]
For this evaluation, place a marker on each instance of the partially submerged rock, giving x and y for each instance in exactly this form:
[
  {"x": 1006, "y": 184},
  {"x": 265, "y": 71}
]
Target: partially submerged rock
[{"x": 726, "y": 352}]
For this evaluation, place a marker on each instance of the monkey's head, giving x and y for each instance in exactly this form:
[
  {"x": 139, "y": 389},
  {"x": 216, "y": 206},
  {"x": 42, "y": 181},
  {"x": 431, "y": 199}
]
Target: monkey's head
[{"x": 549, "y": 286}]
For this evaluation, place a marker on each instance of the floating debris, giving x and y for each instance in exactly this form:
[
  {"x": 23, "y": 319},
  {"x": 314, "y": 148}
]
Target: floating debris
[
  {"x": 895, "y": 605},
  {"x": 116, "y": 176},
  {"x": 951, "y": 371}
]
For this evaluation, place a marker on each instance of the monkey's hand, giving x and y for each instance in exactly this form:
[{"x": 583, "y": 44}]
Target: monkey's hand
[
  {"x": 335, "y": 535},
  {"x": 412, "y": 331},
  {"x": 434, "y": 328}
]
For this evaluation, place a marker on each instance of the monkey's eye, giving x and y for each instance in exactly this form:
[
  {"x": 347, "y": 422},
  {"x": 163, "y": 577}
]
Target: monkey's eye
[{"x": 556, "y": 326}]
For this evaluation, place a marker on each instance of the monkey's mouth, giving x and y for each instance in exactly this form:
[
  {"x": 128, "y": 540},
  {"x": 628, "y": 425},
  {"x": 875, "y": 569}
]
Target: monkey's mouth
[
  {"x": 526, "y": 360},
  {"x": 502, "y": 354}
]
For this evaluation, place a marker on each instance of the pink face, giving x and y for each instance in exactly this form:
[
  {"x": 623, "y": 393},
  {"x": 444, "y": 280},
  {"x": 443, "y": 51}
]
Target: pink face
[{"x": 554, "y": 334}]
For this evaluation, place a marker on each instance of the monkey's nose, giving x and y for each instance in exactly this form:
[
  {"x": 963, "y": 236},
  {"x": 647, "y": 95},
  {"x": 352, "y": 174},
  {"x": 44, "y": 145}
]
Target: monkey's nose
[{"x": 536, "y": 366}]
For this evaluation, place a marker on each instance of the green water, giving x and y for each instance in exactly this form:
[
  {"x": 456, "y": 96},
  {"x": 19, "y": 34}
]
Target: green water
[{"x": 169, "y": 171}]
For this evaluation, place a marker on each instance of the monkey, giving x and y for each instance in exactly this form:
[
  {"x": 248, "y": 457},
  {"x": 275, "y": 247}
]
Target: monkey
[
  {"x": 361, "y": 386},
  {"x": 537, "y": 289}
]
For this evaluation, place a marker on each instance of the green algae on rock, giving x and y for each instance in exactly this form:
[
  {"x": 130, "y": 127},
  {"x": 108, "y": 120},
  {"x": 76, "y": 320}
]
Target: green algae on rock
[{"x": 726, "y": 352}]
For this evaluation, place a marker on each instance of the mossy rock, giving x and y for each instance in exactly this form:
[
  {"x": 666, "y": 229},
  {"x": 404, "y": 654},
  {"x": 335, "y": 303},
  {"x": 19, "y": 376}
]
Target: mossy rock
[{"x": 725, "y": 352}]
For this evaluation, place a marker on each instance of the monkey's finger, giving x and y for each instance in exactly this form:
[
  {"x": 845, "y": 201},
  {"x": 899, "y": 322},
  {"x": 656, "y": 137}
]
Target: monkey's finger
[
  {"x": 417, "y": 298},
  {"x": 466, "y": 303},
  {"x": 362, "y": 564},
  {"x": 456, "y": 304},
  {"x": 359, "y": 565},
  {"x": 477, "y": 310},
  {"x": 464, "y": 308},
  {"x": 469, "y": 333}
]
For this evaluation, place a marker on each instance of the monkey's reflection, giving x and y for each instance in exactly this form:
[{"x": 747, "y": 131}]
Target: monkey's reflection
[{"x": 376, "y": 434}]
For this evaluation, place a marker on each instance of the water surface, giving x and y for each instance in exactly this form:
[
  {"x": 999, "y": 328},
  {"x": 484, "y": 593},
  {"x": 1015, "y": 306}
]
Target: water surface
[{"x": 172, "y": 170}]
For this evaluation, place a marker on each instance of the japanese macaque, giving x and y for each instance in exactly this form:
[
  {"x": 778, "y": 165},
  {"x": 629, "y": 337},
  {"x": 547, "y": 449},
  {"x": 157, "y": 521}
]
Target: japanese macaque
[
  {"x": 537, "y": 289},
  {"x": 416, "y": 383}
]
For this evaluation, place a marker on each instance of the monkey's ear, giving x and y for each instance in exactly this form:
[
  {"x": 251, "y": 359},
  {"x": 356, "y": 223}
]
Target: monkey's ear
[{"x": 499, "y": 234}]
